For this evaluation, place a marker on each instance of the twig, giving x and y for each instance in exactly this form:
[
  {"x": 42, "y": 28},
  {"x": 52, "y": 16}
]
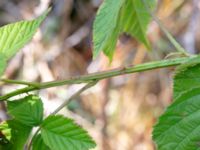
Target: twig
[
  {"x": 33, "y": 84},
  {"x": 167, "y": 33},
  {"x": 87, "y": 86},
  {"x": 100, "y": 75}
]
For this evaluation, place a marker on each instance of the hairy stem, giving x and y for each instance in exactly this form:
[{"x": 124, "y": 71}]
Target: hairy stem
[{"x": 99, "y": 75}]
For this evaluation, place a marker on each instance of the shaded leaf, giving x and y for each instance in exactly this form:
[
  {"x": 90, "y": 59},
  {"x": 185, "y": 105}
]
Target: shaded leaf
[
  {"x": 135, "y": 19},
  {"x": 28, "y": 110},
  {"x": 38, "y": 143},
  {"x": 61, "y": 133},
  {"x": 120, "y": 16},
  {"x": 18, "y": 135}
]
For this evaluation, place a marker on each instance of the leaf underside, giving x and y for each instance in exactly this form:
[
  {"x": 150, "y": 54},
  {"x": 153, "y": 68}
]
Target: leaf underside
[{"x": 120, "y": 16}]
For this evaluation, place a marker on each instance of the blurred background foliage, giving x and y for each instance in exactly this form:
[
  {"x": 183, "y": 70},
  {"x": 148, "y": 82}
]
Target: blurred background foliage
[{"x": 118, "y": 113}]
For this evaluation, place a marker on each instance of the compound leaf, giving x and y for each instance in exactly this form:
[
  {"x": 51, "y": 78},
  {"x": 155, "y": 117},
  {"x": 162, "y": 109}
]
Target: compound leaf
[{"x": 61, "y": 133}]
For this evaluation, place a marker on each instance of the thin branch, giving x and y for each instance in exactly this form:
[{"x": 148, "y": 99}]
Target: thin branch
[
  {"x": 33, "y": 138},
  {"x": 166, "y": 32},
  {"x": 87, "y": 86},
  {"x": 33, "y": 84},
  {"x": 100, "y": 75}
]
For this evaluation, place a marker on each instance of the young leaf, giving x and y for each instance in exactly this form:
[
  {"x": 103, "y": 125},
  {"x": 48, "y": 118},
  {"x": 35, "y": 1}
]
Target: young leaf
[
  {"x": 28, "y": 110},
  {"x": 38, "y": 143},
  {"x": 178, "y": 128},
  {"x": 61, "y": 133},
  {"x": 17, "y": 135},
  {"x": 14, "y": 36},
  {"x": 118, "y": 16}
]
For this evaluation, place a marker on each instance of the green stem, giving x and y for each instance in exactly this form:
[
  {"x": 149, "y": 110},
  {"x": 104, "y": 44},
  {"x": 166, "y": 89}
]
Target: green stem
[
  {"x": 33, "y": 138},
  {"x": 166, "y": 32},
  {"x": 33, "y": 84},
  {"x": 100, "y": 75},
  {"x": 87, "y": 86}
]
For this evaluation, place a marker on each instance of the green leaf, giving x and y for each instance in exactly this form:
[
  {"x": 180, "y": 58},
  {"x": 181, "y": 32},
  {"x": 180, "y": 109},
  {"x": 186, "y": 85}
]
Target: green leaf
[
  {"x": 137, "y": 22},
  {"x": 28, "y": 110},
  {"x": 5, "y": 134},
  {"x": 61, "y": 133},
  {"x": 185, "y": 75},
  {"x": 18, "y": 134},
  {"x": 179, "y": 127},
  {"x": 14, "y": 36},
  {"x": 3, "y": 62},
  {"x": 38, "y": 143},
  {"x": 105, "y": 25},
  {"x": 120, "y": 16}
]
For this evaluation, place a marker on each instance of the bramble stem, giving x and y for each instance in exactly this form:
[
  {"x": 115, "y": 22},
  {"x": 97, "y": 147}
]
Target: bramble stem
[
  {"x": 33, "y": 84},
  {"x": 100, "y": 75}
]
